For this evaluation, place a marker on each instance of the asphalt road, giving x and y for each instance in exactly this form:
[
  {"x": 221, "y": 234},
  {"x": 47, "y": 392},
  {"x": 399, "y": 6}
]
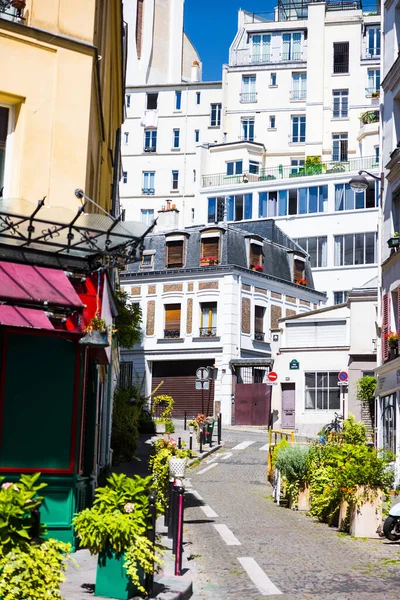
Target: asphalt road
[{"x": 243, "y": 547}]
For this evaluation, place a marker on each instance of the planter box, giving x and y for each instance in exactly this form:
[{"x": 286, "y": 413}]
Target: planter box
[
  {"x": 112, "y": 580},
  {"x": 367, "y": 517},
  {"x": 342, "y": 525}
]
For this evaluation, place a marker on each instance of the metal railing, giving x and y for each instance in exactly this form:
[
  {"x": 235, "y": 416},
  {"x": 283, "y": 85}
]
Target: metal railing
[
  {"x": 172, "y": 333},
  {"x": 370, "y": 116},
  {"x": 371, "y": 53},
  {"x": 372, "y": 92},
  {"x": 246, "y": 97},
  {"x": 259, "y": 336},
  {"x": 287, "y": 172},
  {"x": 244, "y": 56},
  {"x": 148, "y": 191},
  {"x": 208, "y": 331},
  {"x": 298, "y": 94}
]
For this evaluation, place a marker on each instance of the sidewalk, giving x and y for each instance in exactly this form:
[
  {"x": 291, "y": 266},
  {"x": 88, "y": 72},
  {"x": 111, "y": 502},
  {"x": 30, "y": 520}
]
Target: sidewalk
[{"x": 80, "y": 582}]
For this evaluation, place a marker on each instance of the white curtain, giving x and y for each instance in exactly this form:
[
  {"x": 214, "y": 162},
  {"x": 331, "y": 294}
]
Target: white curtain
[{"x": 339, "y": 197}]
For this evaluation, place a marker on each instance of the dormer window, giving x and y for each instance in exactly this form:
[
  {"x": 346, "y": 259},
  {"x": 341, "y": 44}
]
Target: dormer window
[
  {"x": 209, "y": 254},
  {"x": 256, "y": 255},
  {"x": 147, "y": 259},
  {"x": 174, "y": 254},
  {"x": 299, "y": 268}
]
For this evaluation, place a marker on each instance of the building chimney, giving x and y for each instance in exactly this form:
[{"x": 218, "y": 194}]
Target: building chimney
[{"x": 196, "y": 72}]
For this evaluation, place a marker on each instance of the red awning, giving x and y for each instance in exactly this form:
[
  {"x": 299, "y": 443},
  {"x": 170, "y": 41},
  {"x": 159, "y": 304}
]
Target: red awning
[
  {"x": 26, "y": 284},
  {"x": 15, "y": 316}
]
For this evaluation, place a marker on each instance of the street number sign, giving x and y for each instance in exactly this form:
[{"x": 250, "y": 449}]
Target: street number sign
[
  {"x": 343, "y": 376},
  {"x": 202, "y": 373},
  {"x": 272, "y": 376}
]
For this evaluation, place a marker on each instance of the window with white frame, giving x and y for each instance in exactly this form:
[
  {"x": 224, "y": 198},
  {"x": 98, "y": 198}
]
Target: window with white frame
[
  {"x": 272, "y": 122},
  {"x": 316, "y": 247},
  {"x": 208, "y": 319},
  {"x": 126, "y": 137},
  {"x": 296, "y": 165},
  {"x": 248, "y": 129},
  {"x": 239, "y": 207},
  {"x": 340, "y": 146},
  {"x": 373, "y": 49},
  {"x": 355, "y": 249},
  {"x": 4, "y": 130},
  {"x": 340, "y": 297},
  {"x": 340, "y": 104},
  {"x": 268, "y": 204},
  {"x": 124, "y": 176},
  {"x": 341, "y": 57},
  {"x": 196, "y": 135},
  {"x": 301, "y": 201},
  {"x": 292, "y": 46},
  {"x": 150, "y": 140},
  {"x": 147, "y": 216},
  {"x": 374, "y": 82},
  {"x": 259, "y": 320},
  {"x": 322, "y": 391},
  {"x": 178, "y": 100},
  {"x": 298, "y": 129},
  {"x": 151, "y": 101},
  {"x": 148, "y": 182},
  {"x": 254, "y": 167},
  {"x": 175, "y": 138},
  {"x": 234, "y": 167},
  {"x": 175, "y": 180},
  {"x": 260, "y": 48},
  {"x": 215, "y": 117},
  {"x": 299, "y": 86},
  {"x": 348, "y": 199},
  {"x": 248, "y": 93},
  {"x": 272, "y": 80}
]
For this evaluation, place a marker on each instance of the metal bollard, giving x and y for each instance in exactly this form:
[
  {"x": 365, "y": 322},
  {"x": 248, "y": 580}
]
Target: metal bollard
[
  {"x": 219, "y": 428},
  {"x": 184, "y": 421},
  {"x": 179, "y": 530},
  {"x": 152, "y": 537},
  {"x": 168, "y": 512},
  {"x": 179, "y": 443},
  {"x": 201, "y": 440},
  {"x": 35, "y": 529},
  {"x": 190, "y": 444}
]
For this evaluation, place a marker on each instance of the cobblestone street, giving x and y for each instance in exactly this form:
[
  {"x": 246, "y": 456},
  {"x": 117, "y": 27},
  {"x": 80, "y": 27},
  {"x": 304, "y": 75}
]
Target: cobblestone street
[{"x": 244, "y": 547}]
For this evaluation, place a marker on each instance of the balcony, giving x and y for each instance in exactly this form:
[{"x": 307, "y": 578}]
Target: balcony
[
  {"x": 298, "y": 94},
  {"x": 12, "y": 10},
  {"x": 286, "y": 172},
  {"x": 259, "y": 336},
  {"x": 148, "y": 191},
  {"x": 172, "y": 333},
  {"x": 246, "y": 98},
  {"x": 372, "y": 92},
  {"x": 244, "y": 57},
  {"x": 150, "y": 149},
  {"x": 208, "y": 332},
  {"x": 371, "y": 53}
]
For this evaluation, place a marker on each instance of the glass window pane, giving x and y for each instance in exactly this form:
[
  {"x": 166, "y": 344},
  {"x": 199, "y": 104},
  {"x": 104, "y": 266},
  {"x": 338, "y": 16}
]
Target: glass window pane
[
  {"x": 321, "y": 399},
  {"x": 360, "y": 199},
  {"x": 310, "y": 380},
  {"x": 359, "y": 249},
  {"x": 322, "y": 251},
  {"x": 313, "y": 202},
  {"x": 310, "y": 399},
  {"x": 333, "y": 379},
  {"x": 302, "y": 201},
  {"x": 322, "y": 380},
  {"x": 334, "y": 399},
  {"x": 312, "y": 251},
  {"x": 349, "y": 198},
  {"x": 282, "y": 203},
  {"x": 262, "y": 204},
  {"x": 370, "y": 248},
  {"x": 348, "y": 249}
]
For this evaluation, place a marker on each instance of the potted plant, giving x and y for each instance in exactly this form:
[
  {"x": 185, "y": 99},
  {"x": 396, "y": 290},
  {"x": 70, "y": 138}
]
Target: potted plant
[
  {"x": 300, "y": 281},
  {"x": 291, "y": 461},
  {"x": 163, "y": 421},
  {"x": 394, "y": 241},
  {"x": 208, "y": 260},
  {"x": 375, "y": 94},
  {"x": 19, "y": 4},
  {"x": 163, "y": 450},
  {"x": 392, "y": 338},
  {"x": 258, "y": 268},
  {"x": 115, "y": 530}
]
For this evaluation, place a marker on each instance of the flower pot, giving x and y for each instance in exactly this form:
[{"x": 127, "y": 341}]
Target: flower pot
[
  {"x": 160, "y": 427},
  {"x": 177, "y": 467},
  {"x": 112, "y": 580},
  {"x": 366, "y": 512}
]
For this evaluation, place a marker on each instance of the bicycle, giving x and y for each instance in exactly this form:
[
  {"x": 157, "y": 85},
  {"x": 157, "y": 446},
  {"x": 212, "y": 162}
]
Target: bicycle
[{"x": 335, "y": 426}]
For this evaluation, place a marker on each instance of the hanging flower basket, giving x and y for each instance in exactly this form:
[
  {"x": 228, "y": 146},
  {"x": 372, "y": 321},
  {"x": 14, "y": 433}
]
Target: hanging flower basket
[{"x": 392, "y": 338}]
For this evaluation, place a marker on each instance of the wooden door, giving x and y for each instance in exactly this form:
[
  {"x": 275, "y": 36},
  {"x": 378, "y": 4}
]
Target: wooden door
[
  {"x": 288, "y": 418},
  {"x": 252, "y": 404}
]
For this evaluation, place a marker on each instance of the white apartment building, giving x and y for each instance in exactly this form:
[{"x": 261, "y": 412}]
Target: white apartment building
[{"x": 295, "y": 118}]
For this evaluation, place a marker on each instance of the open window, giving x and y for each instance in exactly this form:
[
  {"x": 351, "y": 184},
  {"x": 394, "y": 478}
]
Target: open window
[
  {"x": 174, "y": 254},
  {"x": 256, "y": 255},
  {"x": 259, "y": 314},
  {"x": 209, "y": 252},
  {"x": 299, "y": 270},
  {"x": 172, "y": 321},
  {"x": 152, "y": 101},
  {"x": 208, "y": 319}
]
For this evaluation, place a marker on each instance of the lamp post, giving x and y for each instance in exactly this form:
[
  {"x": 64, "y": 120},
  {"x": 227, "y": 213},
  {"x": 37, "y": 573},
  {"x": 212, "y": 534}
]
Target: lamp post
[{"x": 359, "y": 183}]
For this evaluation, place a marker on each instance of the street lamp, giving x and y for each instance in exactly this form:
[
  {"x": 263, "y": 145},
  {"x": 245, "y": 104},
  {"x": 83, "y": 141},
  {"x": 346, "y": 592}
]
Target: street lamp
[{"x": 359, "y": 183}]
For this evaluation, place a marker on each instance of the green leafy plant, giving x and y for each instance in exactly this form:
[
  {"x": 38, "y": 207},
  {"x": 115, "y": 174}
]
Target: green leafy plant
[
  {"x": 125, "y": 425},
  {"x": 354, "y": 432},
  {"x": 128, "y": 321},
  {"x": 163, "y": 450},
  {"x": 119, "y": 520},
  {"x": 366, "y": 394},
  {"x": 96, "y": 324},
  {"x": 166, "y": 403},
  {"x": 291, "y": 461}
]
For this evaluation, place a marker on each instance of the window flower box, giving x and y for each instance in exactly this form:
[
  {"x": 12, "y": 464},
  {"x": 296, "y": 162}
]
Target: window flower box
[
  {"x": 258, "y": 268},
  {"x": 208, "y": 261},
  {"x": 301, "y": 281}
]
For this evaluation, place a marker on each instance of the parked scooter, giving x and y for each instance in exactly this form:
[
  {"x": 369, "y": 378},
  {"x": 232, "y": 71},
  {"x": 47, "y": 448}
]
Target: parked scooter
[{"x": 391, "y": 526}]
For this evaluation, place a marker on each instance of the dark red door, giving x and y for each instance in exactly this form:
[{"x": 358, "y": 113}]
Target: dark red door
[
  {"x": 252, "y": 404},
  {"x": 288, "y": 418}
]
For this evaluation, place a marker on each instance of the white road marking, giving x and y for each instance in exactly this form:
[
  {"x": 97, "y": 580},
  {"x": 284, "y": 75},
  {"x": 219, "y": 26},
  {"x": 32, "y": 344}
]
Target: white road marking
[
  {"x": 208, "y": 511},
  {"x": 266, "y": 447},
  {"x": 195, "y": 494},
  {"x": 207, "y": 469},
  {"x": 242, "y": 446},
  {"x": 227, "y": 535},
  {"x": 210, "y": 460},
  {"x": 258, "y": 577},
  {"x": 225, "y": 456}
]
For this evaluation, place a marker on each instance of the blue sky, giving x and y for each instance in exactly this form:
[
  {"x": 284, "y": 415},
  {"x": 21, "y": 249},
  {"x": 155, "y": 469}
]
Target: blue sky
[{"x": 212, "y": 24}]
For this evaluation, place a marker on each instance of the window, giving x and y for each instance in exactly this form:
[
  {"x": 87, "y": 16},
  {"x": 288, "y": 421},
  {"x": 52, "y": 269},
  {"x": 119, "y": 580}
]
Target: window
[
  {"x": 208, "y": 319},
  {"x": 303, "y": 200},
  {"x": 126, "y": 137},
  {"x": 259, "y": 314},
  {"x": 272, "y": 122},
  {"x": 272, "y": 81},
  {"x": 373, "y": 42},
  {"x": 254, "y": 167},
  {"x": 216, "y": 208},
  {"x": 322, "y": 391},
  {"x": 148, "y": 182},
  {"x": 388, "y": 412},
  {"x": 261, "y": 48},
  {"x": 239, "y": 207},
  {"x": 178, "y": 100},
  {"x": 341, "y": 57},
  {"x": 172, "y": 321},
  {"x": 196, "y": 135},
  {"x": 125, "y": 374},
  {"x": 374, "y": 82},
  {"x": 339, "y": 297},
  {"x": 124, "y": 176},
  {"x": 150, "y": 140},
  {"x": 248, "y": 129},
  {"x": 340, "y": 147},
  {"x": 291, "y": 46},
  {"x": 175, "y": 180},
  {"x": 267, "y": 204},
  {"x": 198, "y": 96},
  {"x": 355, "y": 249},
  {"x": 348, "y": 199},
  {"x": 147, "y": 216},
  {"x": 249, "y": 93},
  {"x": 396, "y": 211},
  {"x": 215, "y": 115},
  {"x": 316, "y": 247},
  {"x": 175, "y": 141},
  {"x": 234, "y": 167},
  {"x": 299, "y": 267},
  {"x": 174, "y": 254},
  {"x": 299, "y": 86},
  {"x": 147, "y": 260},
  {"x": 152, "y": 101},
  {"x": 256, "y": 255},
  {"x": 298, "y": 129},
  {"x": 210, "y": 248},
  {"x": 4, "y": 118},
  {"x": 128, "y": 100},
  {"x": 297, "y": 164},
  {"x": 340, "y": 108}
]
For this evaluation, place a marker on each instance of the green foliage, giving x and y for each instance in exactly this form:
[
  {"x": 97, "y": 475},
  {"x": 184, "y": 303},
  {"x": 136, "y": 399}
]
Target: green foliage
[
  {"x": 163, "y": 450},
  {"x": 35, "y": 572},
  {"x": 354, "y": 432},
  {"x": 17, "y": 501},
  {"x": 166, "y": 403},
  {"x": 128, "y": 321},
  {"x": 169, "y": 426},
  {"x": 283, "y": 443},
  {"x": 119, "y": 519},
  {"x": 291, "y": 460},
  {"x": 366, "y": 393},
  {"x": 125, "y": 425}
]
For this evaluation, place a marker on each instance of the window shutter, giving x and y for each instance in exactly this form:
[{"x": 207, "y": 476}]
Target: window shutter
[
  {"x": 255, "y": 254},
  {"x": 172, "y": 317},
  {"x": 259, "y": 319},
  {"x": 210, "y": 247},
  {"x": 175, "y": 254},
  {"x": 385, "y": 325}
]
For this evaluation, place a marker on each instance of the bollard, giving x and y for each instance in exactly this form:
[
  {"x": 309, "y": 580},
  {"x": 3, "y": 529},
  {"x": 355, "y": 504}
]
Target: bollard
[
  {"x": 201, "y": 440},
  {"x": 179, "y": 531},
  {"x": 184, "y": 421},
  {"x": 179, "y": 443},
  {"x": 167, "y": 510},
  {"x": 152, "y": 537},
  {"x": 190, "y": 444},
  {"x": 171, "y": 509},
  {"x": 219, "y": 428}
]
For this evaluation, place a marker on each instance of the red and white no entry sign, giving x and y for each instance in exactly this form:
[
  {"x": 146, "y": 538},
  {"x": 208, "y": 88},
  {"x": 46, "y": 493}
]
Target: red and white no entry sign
[{"x": 272, "y": 376}]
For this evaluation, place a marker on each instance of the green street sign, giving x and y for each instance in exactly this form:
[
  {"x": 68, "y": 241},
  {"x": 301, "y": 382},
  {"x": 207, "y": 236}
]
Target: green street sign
[{"x": 294, "y": 365}]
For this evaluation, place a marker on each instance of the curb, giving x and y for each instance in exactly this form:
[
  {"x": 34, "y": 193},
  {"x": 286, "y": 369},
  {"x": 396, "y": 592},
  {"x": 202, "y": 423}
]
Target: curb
[{"x": 200, "y": 457}]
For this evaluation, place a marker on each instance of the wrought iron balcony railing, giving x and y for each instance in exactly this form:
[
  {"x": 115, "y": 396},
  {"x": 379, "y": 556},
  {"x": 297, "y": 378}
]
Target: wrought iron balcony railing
[
  {"x": 298, "y": 94},
  {"x": 248, "y": 97},
  {"x": 372, "y": 92},
  {"x": 259, "y": 336},
  {"x": 11, "y": 10},
  {"x": 172, "y": 333},
  {"x": 372, "y": 53},
  {"x": 245, "y": 56},
  {"x": 208, "y": 331},
  {"x": 148, "y": 191}
]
